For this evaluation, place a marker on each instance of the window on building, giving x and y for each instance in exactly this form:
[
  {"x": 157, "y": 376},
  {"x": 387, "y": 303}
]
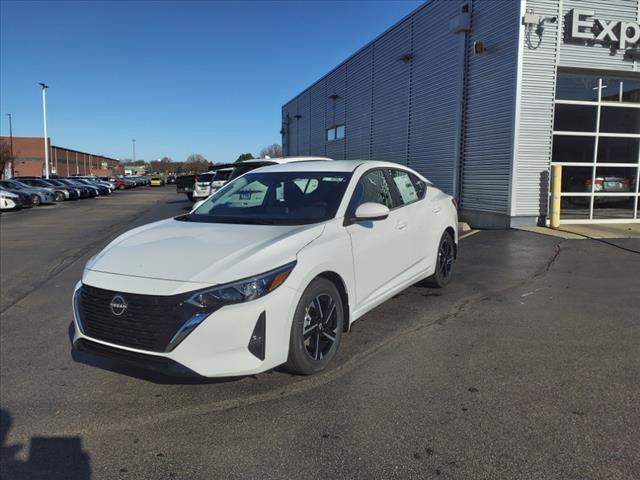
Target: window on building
[
  {"x": 335, "y": 133},
  {"x": 596, "y": 139},
  {"x": 331, "y": 134}
]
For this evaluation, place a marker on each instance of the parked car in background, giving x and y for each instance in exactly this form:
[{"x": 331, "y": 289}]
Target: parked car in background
[
  {"x": 276, "y": 266},
  {"x": 202, "y": 186},
  {"x": 25, "y": 198},
  {"x": 220, "y": 178},
  {"x": 85, "y": 191},
  {"x": 184, "y": 184},
  {"x": 39, "y": 195},
  {"x": 139, "y": 181},
  {"x": 245, "y": 166},
  {"x": 59, "y": 193},
  {"x": 119, "y": 183},
  {"x": 9, "y": 201},
  {"x": 101, "y": 189},
  {"x": 157, "y": 182},
  {"x": 69, "y": 193},
  {"x": 23, "y": 191}
]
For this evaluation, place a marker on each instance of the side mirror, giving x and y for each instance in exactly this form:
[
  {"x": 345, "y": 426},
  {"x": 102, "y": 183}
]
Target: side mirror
[
  {"x": 371, "y": 211},
  {"x": 196, "y": 205}
]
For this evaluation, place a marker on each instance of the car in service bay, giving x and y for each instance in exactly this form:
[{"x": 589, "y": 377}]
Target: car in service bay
[{"x": 278, "y": 264}]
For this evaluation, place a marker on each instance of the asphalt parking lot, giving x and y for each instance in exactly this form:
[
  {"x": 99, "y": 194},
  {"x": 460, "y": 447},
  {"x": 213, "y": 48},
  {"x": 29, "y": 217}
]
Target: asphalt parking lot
[{"x": 526, "y": 366}]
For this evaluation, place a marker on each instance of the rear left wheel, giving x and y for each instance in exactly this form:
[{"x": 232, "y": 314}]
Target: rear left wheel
[
  {"x": 59, "y": 196},
  {"x": 444, "y": 263},
  {"x": 317, "y": 328}
]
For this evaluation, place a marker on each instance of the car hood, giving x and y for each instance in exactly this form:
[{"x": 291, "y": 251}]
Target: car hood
[{"x": 211, "y": 253}]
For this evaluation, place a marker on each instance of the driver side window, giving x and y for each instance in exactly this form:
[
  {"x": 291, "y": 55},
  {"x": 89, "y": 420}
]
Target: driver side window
[{"x": 373, "y": 187}]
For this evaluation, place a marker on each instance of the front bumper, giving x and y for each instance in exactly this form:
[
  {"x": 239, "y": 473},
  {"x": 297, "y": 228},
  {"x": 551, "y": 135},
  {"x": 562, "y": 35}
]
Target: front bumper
[{"x": 218, "y": 346}]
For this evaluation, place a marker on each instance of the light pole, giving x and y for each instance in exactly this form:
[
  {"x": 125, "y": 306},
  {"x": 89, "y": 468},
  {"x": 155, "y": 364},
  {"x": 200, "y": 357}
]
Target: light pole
[
  {"x": 11, "y": 142},
  {"x": 46, "y": 138},
  {"x": 133, "y": 142}
]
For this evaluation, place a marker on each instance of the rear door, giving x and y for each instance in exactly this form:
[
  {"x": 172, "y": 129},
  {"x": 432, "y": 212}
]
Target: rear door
[{"x": 422, "y": 228}]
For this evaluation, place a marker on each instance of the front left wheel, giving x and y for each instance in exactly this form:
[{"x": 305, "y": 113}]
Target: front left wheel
[{"x": 317, "y": 328}]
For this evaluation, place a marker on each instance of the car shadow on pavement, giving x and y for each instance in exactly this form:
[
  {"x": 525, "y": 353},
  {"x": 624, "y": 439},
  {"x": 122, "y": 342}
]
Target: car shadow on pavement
[
  {"x": 50, "y": 458},
  {"x": 133, "y": 371}
]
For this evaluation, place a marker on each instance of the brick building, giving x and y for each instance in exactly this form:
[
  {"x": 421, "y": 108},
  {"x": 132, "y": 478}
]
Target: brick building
[{"x": 28, "y": 155}]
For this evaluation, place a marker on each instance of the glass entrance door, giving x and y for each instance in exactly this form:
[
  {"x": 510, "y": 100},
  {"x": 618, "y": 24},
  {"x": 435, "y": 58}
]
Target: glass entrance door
[{"x": 596, "y": 139}]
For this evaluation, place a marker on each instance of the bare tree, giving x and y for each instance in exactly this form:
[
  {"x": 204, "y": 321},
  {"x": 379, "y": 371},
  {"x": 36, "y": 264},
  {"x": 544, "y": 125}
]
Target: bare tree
[
  {"x": 195, "y": 157},
  {"x": 273, "y": 151}
]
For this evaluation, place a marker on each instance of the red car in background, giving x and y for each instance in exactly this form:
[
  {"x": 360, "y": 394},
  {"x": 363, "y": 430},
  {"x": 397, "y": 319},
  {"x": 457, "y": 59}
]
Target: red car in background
[{"x": 120, "y": 183}]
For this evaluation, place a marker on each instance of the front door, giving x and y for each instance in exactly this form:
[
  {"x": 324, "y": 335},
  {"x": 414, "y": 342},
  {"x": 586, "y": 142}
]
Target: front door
[{"x": 379, "y": 247}]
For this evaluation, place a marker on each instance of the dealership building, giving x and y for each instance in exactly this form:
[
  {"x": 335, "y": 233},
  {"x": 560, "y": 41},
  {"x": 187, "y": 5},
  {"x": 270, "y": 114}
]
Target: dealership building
[
  {"x": 483, "y": 97},
  {"x": 29, "y": 160}
]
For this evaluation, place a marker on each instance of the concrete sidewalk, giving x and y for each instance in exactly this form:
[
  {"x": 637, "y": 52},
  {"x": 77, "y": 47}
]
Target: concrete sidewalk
[{"x": 581, "y": 232}]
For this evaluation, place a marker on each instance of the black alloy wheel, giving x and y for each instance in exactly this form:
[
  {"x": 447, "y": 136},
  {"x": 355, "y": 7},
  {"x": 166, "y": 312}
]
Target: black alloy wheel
[
  {"x": 317, "y": 328},
  {"x": 59, "y": 196},
  {"x": 35, "y": 200},
  {"x": 444, "y": 262}
]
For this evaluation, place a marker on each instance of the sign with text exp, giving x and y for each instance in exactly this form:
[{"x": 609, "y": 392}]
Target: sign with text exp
[{"x": 584, "y": 25}]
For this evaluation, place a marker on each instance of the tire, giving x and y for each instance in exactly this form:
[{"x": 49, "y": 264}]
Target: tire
[
  {"x": 121, "y": 187},
  {"x": 319, "y": 312},
  {"x": 444, "y": 263},
  {"x": 35, "y": 200},
  {"x": 59, "y": 197}
]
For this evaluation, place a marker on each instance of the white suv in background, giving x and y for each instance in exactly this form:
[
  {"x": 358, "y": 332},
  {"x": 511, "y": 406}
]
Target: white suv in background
[{"x": 202, "y": 186}]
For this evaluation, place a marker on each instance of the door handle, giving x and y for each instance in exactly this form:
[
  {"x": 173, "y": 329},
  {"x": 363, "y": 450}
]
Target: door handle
[
  {"x": 436, "y": 210},
  {"x": 401, "y": 225}
]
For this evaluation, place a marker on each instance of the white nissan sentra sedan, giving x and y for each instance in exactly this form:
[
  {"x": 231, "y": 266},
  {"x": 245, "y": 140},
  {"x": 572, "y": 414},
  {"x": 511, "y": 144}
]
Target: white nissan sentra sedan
[{"x": 272, "y": 269}]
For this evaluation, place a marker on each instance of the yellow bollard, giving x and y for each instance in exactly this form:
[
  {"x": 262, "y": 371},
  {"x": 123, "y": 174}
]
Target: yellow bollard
[{"x": 556, "y": 187}]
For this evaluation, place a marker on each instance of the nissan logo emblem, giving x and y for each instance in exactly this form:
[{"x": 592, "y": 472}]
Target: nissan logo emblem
[{"x": 118, "y": 305}]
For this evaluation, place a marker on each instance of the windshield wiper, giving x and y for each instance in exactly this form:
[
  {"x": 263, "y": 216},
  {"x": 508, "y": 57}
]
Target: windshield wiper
[{"x": 183, "y": 218}]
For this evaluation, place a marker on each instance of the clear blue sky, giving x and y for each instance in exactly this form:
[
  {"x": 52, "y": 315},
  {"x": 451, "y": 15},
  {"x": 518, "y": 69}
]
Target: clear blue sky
[{"x": 180, "y": 77}]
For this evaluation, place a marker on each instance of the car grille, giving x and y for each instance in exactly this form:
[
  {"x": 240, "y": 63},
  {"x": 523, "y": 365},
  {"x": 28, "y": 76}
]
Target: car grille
[{"x": 148, "y": 323}]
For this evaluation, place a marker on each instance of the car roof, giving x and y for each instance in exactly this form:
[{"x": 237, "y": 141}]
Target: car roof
[
  {"x": 332, "y": 166},
  {"x": 284, "y": 160}
]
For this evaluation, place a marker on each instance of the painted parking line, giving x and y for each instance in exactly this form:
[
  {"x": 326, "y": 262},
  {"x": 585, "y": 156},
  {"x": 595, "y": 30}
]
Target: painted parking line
[{"x": 472, "y": 232}]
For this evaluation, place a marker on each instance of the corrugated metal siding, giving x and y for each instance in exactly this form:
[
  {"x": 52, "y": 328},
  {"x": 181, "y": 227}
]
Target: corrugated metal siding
[
  {"x": 335, "y": 108},
  {"x": 580, "y": 55},
  {"x": 303, "y": 124},
  {"x": 490, "y": 107},
  {"x": 317, "y": 96},
  {"x": 391, "y": 95},
  {"x": 534, "y": 139},
  {"x": 436, "y": 90},
  {"x": 358, "y": 105}
]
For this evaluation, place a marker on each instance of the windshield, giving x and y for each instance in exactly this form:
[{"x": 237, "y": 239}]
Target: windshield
[{"x": 283, "y": 198}]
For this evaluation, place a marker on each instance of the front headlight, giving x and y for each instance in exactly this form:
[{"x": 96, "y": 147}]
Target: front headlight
[{"x": 242, "y": 290}]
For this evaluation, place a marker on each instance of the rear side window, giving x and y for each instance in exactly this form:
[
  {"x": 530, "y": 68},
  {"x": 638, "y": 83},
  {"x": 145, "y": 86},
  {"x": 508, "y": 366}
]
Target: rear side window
[
  {"x": 405, "y": 186},
  {"x": 372, "y": 187},
  {"x": 421, "y": 186}
]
